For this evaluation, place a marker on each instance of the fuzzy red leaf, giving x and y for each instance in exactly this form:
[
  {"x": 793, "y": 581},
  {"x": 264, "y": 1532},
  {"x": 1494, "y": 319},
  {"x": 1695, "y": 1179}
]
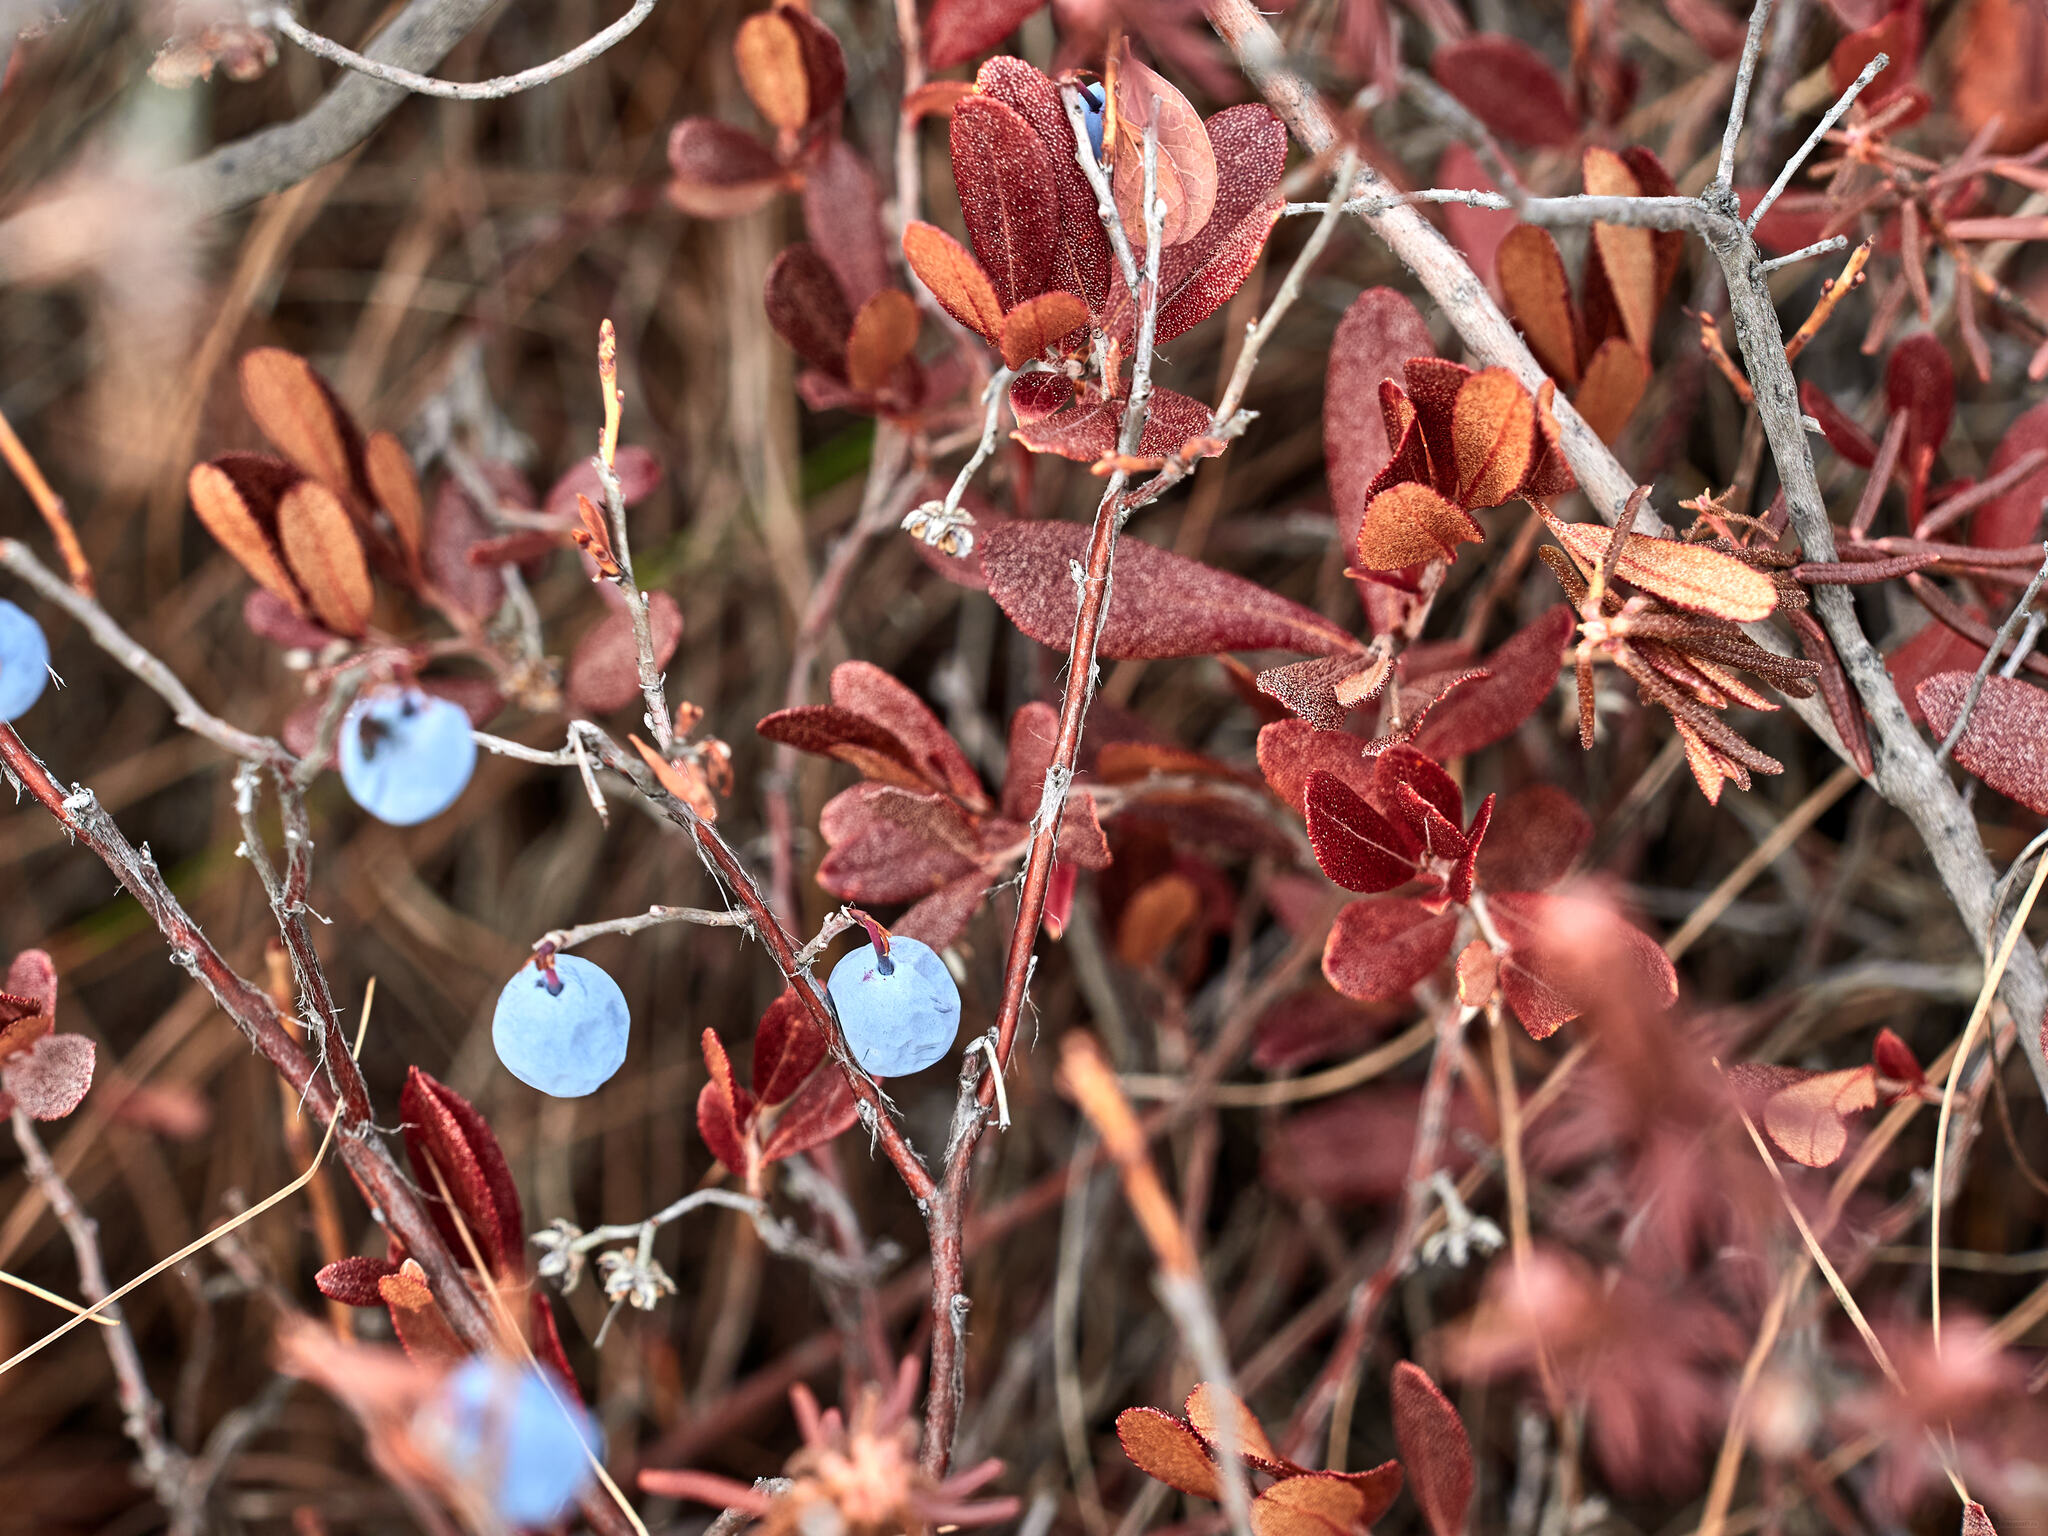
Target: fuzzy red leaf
[
  {"x": 1493, "y": 435},
  {"x": 49, "y": 1079},
  {"x": 943, "y": 916},
  {"x": 1408, "y": 524},
  {"x": 843, "y": 217},
  {"x": 1380, "y": 331},
  {"x": 1383, "y": 947},
  {"x": 956, "y": 30},
  {"x": 1434, "y": 1447},
  {"x": 1324, "y": 690},
  {"x": 1356, "y": 846},
  {"x": 724, "y": 1108},
  {"x": 443, "y": 1130},
  {"x": 604, "y": 669},
  {"x": 948, "y": 269},
  {"x": 1541, "y": 833},
  {"x": 1519, "y": 677},
  {"x": 2015, "y": 517},
  {"x": 1688, "y": 576},
  {"x": 1539, "y": 299},
  {"x": 2002, "y": 743},
  {"x": 1162, "y": 604},
  {"x": 821, "y": 1109},
  {"x": 1039, "y": 323},
  {"x": 1082, "y": 259},
  {"x": 787, "y": 1045},
  {"x": 890, "y": 845},
  {"x": 1007, "y": 197},
  {"x": 1920, "y": 380},
  {"x": 720, "y": 171},
  {"x": 353, "y": 1281},
  {"x": 864, "y": 689}
]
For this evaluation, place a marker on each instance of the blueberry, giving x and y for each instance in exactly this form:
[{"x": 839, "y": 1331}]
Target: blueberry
[
  {"x": 564, "y": 1033},
  {"x": 24, "y": 661},
  {"x": 1092, "y": 102},
  {"x": 900, "y": 1013},
  {"x": 521, "y": 1440},
  {"x": 406, "y": 756}
]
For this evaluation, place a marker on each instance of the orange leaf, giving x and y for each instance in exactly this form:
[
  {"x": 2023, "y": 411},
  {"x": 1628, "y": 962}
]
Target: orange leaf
[
  {"x": 1165, "y": 1448},
  {"x": 955, "y": 278},
  {"x": 883, "y": 334},
  {"x": 1493, "y": 436},
  {"x": 397, "y": 488},
  {"x": 1708, "y": 769},
  {"x": 1154, "y": 917},
  {"x": 1628, "y": 254},
  {"x": 1184, "y": 167},
  {"x": 321, "y": 547},
  {"x": 1688, "y": 576},
  {"x": 1314, "y": 1504},
  {"x": 1807, "y": 1119},
  {"x": 292, "y": 406},
  {"x": 233, "y": 522},
  {"x": 416, "y": 1316},
  {"x": 1409, "y": 523},
  {"x": 770, "y": 57},
  {"x": 1539, "y": 297},
  {"x": 687, "y": 785},
  {"x": 1615, "y": 378},
  {"x": 1208, "y": 1406},
  {"x": 1478, "y": 974},
  {"x": 1039, "y": 323}
]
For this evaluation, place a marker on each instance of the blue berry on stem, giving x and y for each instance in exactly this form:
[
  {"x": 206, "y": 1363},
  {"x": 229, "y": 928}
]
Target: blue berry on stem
[
  {"x": 561, "y": 1026},
  {"x": 406, "y": 756},
  {"x": 1092, "y": 107},
  {"x": 897, "y": 1004},
  {"x": 24, "y": 661},
  {"x": 521, "y": 1440}
]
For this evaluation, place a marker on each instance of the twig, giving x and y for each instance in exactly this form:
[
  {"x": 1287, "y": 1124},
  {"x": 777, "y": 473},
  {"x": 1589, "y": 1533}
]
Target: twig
[
  {"x": 2021, "y": 614},
  {"x": 1828, "y": 120},
  {"x": 652, "y": 685},
  {"x": 281, "y": 19},
  {"x": 653, "y": 917},
  {"x": 1807, "y": 252},
  {"x": 49, "y": 503},
  {"x": 1723, "y": 184}
]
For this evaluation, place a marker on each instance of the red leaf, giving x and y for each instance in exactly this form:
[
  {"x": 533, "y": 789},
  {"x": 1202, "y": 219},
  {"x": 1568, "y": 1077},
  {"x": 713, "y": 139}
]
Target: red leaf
[
  {"x": 1356, "y": 846},
  {"x": 1405, "y": 767},
  {"x": 1519, "y": 677},
  {"x": 1004, "y": 175},
  {"x": 1567, "y": 953},
  {"x": 866, "y": 690},
  {"x": 1509, "y": 87},
  {"x": 1208, "y": 1406},
  {"x": 1838, "y": 427},
  {"x": 1355, "y": 1149},
  {"x": 1161, "y": 604},
  {"x": 444, "y": 1131},
  {"x": 1541, "y": 833},
  {"x": 1194, "y": 296},
  {"x": 890, "y": 845},
  {"x": 1933, "y": 648},
  {"x": 2002, "y": 743},
  {"x": 808, "y": 310},
  {"x": 826, "y": 730},
  {"x": 843, "y": 217},
  {"x": 1382, "y": 947},
  {"x": 353, "y": 1281},
  {"x": 1688, "y": 576},
  {"x": 820, "y": 1110},
  {"x": 1082, "y": 259},
  {"x": 1807, "y": 1118},
  {"x": 416, "y": 1317},
  {"x": 1184, "y": 170},
  {"x": 1380, "y": 331},
  {"x": 724, "y": 1108},
  {"x": 604, "y": 669},
  {"x": 1434, "y": 1447},
  {"x": 1920, "y": 380},
  {"x": 1493, "y": 434},
  {"x": 1894, "y": 1059},
  {"x": 1318, "y": 1024},
  {"x": 956, "y": 30},
  {"x": 943, "y": 916},
  {"x": 454, "y": 528},
  {"x": 720, "y": 171},
  {"x": 1311, "y": 1504},
  {"x": 1325, "y": 689},
  {"x": 2015, "y": 517},
  {"x": 1477, "y": 232},
  {"x": 49, "y": 1079},
  {"x": 787, "y": 1045},
  {"x": 1034, "y": 739},
  {"x": 1088, "y": 429}
]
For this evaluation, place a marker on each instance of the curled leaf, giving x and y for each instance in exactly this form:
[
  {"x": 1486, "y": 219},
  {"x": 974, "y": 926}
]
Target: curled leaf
[{"x": 1184, "y": 165}]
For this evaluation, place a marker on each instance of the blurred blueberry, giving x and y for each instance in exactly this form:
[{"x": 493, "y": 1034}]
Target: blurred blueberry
[
  {"x": 1091, "y": 95},
  {"x": 519, "y": 1438},
  {"x": 566, "y": 1040},
  {"x": 24, "y": 661},
  {"x": 406, "y": 756},
  {"x": 900, "y": 1014}
]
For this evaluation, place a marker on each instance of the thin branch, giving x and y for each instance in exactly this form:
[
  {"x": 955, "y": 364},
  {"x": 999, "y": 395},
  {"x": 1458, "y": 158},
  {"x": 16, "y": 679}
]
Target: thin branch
[
  {"x": 49, "y": 504},
  {"x": 1807, "y": 252},
  {"x": 1828, "y": 120},
  {"x": 1723, "y": 184},
  {"x": 2020, "y": 615},
  {"x": 282, "y": 20},
  {"x": 653, "y": 917}
]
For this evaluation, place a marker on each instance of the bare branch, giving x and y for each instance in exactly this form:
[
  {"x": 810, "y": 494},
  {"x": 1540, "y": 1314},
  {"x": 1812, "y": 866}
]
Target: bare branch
[
  {"x": 1828, "y": 120},
  {"x": 283, "y": 21},
  {"x": 1745, "y": 74}
]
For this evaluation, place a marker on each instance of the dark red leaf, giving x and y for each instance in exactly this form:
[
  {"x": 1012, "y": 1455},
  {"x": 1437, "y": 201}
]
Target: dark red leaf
[
  {"x": 353, "y": 1281},
  {"x": 1894, "y": 1059},
  {"x": 1161, "y": 604},
  {"x": 639, "y": 474},
  {"x": 1519, "y": 678},
  {"x": 843, "y": 217},
  {"x": 724, "y": 1109},
  {"x": 2002, "y": 744},
  {"x": 1034, "y": 739},
  {"x": 1838, "y": 427},
  {"x": 956, "y": 30},
  {"x": 1356, "y": 1148},
  {"x": 1089, "y": 428},
  {"x": 604, "y": 669},
  {"x": 1082, "y": 260},
  {"x": 1356, "y": 846},
  {"x": 1509, "y": 87},
  {"x": 890, "y": 845},
  {"x": 1540, "y": 833},
  {"x": 720, "y": 171},
  {"x": 1380, "y": 331},
  {"x": 2015, "y": 517},
  {"x": 866, "y": 690},
  {"x": 454, "y": 528},
  {"x": 1434, "y": 1447},
  {"x": 444, "y": 1131},
  {"x": 787, "y": 1045},
  {"x": 822, "y": 1109},
  {"x": 943, "y": 916},
  {"x": 1920, "y": 380},
  {"x": 1382, "y": 947},
  {"x": 1325, "y": 689},
  {"x": 1005, "y": 178},
  {"x": 827, "y": 730},
  {"x": 1933, "y": 648},
  {"x": 807, "y": 308}
]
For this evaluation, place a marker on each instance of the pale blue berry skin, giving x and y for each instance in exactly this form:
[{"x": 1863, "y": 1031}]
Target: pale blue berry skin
[
  {"x": 565, "y": 1043},
  {"x": 24, "y": 661},
  {"x": 519, "y": 1438},
  {"x": 1092, "y": 105},
  {"x": 406, "y": 756},
  {"x": 897, "y": 1021}
]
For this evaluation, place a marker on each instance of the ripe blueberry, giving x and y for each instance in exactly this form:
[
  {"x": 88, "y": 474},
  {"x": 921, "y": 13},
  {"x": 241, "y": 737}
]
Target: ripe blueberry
[
  {"x": 900, "y": 1012},
  {"x": 406, "y": 756},
  {"x": 24, "y": 661},
  {"x": 514, "y": 1436},
  {"x": 1092, "y": 105},
  {"x": 561, "y": 1029}
]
